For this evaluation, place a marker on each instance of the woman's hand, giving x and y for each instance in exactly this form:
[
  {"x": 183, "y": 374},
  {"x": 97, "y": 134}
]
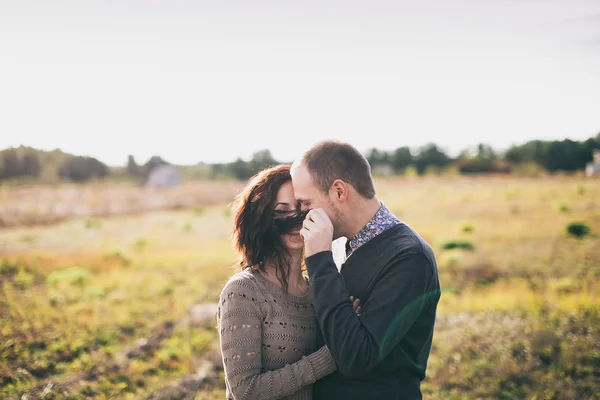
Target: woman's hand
[{"x": 355, "y": 304}]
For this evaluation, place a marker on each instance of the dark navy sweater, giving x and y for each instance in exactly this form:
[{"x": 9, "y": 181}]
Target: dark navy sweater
[{"x": 381, "y": 353}]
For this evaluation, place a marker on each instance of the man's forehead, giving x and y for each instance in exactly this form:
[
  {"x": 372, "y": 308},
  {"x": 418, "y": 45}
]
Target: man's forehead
[
  {"x": 301, "y": 178},
  {"x": 300, "y": 173}
]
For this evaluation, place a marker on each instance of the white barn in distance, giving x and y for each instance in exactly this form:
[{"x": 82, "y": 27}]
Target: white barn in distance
[
  {"x": 163, "y": 176},
  {"x": 593, "y": 168}
]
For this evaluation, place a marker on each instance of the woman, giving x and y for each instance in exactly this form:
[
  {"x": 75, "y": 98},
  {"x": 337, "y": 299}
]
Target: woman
[{"x": 267, "y": 324}]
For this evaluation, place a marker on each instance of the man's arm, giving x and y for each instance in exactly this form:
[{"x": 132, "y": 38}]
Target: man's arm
[{"x": 359, "y": 343}]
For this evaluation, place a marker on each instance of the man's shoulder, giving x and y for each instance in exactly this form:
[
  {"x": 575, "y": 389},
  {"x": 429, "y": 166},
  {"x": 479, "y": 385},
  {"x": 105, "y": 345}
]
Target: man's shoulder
[
  {"x": 405, "y": 237},
  {"x": 404, "y": 240}
]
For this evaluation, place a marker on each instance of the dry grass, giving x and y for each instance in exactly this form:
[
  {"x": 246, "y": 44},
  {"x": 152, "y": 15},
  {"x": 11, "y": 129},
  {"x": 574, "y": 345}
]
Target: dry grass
[{"x": 38, "y": 205}]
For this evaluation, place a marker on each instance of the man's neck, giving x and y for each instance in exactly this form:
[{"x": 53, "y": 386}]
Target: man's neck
[{"x": 365, "y": 210}]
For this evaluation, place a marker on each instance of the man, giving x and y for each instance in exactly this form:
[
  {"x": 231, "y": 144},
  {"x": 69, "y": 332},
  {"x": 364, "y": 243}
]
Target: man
[{"x": 382, "y": 352}]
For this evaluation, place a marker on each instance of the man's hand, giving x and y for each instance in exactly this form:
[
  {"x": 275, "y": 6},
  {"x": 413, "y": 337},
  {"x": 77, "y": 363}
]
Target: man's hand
[
  {"x": 355, "y": 304},
  {"x": 317, "y": 232}
]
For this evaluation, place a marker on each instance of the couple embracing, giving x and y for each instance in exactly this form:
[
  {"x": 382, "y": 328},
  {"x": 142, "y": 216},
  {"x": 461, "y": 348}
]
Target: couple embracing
[{"x": 363, "y": 331}]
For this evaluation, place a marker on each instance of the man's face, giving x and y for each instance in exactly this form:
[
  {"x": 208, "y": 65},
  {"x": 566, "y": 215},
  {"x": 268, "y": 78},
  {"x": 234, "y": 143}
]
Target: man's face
[{"x": 309, "y": 196}]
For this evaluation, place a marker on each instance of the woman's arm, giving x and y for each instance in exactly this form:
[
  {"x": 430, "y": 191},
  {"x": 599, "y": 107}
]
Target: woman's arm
[{"x": 240, "y": 332}]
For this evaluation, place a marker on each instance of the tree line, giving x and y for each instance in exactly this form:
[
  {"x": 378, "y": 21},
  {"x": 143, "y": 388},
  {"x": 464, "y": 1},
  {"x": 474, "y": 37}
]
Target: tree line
[{"x": 551, "y": 156}]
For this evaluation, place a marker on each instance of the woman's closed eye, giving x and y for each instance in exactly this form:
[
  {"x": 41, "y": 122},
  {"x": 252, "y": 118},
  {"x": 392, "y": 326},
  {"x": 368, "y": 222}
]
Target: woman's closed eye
[{"x": 284, "y": 212}]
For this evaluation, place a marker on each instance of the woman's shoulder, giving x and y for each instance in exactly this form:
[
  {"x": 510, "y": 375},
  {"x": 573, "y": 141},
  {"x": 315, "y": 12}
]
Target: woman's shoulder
[
  {"x": 243, "y": 281},
  {"x": 242, "y": 295}
]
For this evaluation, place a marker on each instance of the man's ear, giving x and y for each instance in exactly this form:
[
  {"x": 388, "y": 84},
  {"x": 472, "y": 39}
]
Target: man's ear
[{"x": 339, "y": 190}]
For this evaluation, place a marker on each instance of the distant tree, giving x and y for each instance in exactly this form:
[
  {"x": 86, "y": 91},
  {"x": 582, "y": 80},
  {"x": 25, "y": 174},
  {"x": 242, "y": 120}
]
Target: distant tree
[
  {"x": 132, "y": 167},
  {"x": 485, "y": 160},
  {"x": 243, "y": 170},
  {"x": 11, "y": 164},
  {"x": 81, "y": 169},
  {"x": 431, "y": 155},
  {"x": 260, "y": 160},
  {"x": 486, "y": 152},
  {"x": 535, "y": 151},
  {"x": 588, "y": 147},
  {"x": 218, "y": 170},
  {"x": 401, "y": 159},
  {"x": 377, "y": 157},
  {"x": 240, "y": 169},
  {"x": 565, "y": 155},
  {"x": 30, "y": 165}
]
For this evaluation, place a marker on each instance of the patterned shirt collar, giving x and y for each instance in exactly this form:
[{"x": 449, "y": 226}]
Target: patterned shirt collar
[{"x": 382, "y": 221}]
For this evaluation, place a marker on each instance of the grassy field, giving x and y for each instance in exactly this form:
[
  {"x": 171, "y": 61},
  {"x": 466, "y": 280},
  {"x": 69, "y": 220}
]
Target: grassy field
[
  {"x": 49, "y": 204},
  {"x": 104, "y": 307}
]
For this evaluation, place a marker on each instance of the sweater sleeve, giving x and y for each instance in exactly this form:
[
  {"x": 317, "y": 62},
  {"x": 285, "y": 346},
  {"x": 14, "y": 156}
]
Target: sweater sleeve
[
  {"x": 359, "y": 343},
  {"x": 240, "y": 333}
]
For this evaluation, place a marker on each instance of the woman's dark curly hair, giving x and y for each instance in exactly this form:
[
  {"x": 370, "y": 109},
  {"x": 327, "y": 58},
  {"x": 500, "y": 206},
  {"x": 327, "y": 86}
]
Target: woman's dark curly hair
[{"x": 256, "y": 229}]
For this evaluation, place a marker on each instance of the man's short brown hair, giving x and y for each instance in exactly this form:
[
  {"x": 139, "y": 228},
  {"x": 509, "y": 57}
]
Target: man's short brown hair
[{"x": 329, "y": 160}]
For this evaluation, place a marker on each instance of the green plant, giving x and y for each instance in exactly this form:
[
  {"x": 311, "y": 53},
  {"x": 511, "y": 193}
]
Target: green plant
[
  {"x": 198, "y": 211},
  {"x": 75, "y": 276},
  {"x": 8, "y": 268},
  {"x": 563, "y": 207},
  {"x": 578, "y": 229},
  {"x": 140, "y": 244},
  {"x": 93, "y": 223},
  {"x": 468, "y": 228},
  {"x": 458, "y": 244},
  {"x": 24, "y": 279},
  {"x": 118, "y": 256}
]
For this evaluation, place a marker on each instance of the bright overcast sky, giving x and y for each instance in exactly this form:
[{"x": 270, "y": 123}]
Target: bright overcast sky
[{"x": 195, "y": 80}]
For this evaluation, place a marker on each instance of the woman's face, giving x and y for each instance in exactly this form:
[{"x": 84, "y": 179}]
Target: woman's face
[{"x": 285, "y": 206}]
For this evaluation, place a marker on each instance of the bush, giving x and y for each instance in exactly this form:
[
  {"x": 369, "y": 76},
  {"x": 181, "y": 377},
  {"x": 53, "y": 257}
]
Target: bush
[
  {"x": 410, "y": 171},
  {"x": 468, "y": 228},
  {"x": 529, "y": 169},
  {"x": 140, "y": 244},
  {"x": 563, "y": 207},
  {"x": 578, "y": 229},
  {"x": 76, "y": 276},
  {"x": 81, "y": 169},
  {"x": 118, "y": 257},
  {"x": 8, "y": 268},
  {"x": 24, "y": 279},
  {"x": 93, "y": 223},
  {"x": 198, "y": 211},
  {"x": 458, "y": 244}
]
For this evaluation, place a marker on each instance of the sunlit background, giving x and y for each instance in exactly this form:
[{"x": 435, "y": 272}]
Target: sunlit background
[
  {"x": 183, "y": 78},
  {"x": 127, "y": 128}
]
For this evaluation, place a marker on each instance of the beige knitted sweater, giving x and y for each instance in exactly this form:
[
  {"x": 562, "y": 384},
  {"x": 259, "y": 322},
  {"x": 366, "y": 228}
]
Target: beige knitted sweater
[{"x": 267, "y": 341}]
